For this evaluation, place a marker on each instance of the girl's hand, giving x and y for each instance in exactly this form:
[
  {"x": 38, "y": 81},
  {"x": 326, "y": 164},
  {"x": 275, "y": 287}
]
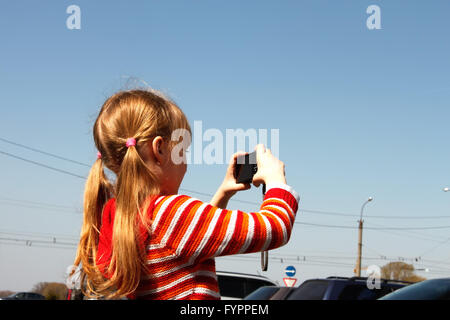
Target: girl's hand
[
  {"x": 229, "y": 186},
  {"x": 270, "y": 169}
]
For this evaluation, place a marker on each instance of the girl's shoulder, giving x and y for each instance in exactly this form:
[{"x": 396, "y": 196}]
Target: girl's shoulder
[{"x": 172, "y": 199}]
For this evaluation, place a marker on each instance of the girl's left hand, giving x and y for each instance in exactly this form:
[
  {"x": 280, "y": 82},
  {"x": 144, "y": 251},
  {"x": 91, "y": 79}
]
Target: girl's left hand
[{"x": 229, "y": 186}]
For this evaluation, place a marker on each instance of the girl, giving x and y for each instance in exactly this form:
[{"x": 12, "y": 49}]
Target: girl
[{"x": 139, "y": 238}]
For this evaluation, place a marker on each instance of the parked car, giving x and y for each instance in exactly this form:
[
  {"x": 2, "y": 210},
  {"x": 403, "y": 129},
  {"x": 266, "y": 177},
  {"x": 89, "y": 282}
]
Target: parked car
[
  {"x": 235, "y": 286},
  {"x": 24, "y": 296},
  {"x": 331, "y": 288},
  {"x": 433, "y": 289}
]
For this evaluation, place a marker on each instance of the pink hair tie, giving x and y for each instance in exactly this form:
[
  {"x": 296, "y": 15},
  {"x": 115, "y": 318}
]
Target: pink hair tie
[
  {"x": 131, "y": 142},
  {"x": 99, "y": 155}
]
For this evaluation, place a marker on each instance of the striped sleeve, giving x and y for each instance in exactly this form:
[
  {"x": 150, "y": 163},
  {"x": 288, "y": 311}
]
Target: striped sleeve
[{"x": 200, "y": 231}]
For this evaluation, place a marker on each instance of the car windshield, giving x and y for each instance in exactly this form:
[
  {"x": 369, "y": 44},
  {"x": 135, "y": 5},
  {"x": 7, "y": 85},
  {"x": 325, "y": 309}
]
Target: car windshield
[
  {"x": 263, "y": 293},
  {"x": 435, "y": 289}
]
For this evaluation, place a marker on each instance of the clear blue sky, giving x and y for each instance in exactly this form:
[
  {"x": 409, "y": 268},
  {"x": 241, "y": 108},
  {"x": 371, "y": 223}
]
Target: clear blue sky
[{"x": 361, "y": 113}]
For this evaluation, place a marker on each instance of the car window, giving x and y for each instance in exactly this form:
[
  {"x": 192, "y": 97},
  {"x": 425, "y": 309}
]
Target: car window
[
  {"x": 20, "y": 296},
  {"x": 352, "y": 292},
  {"x": 360, "y": 292},
  {"x": 34, "y": 296},
  {"x": 239, "y": 287},
  {"x": 231, "y": 286},
  {"x": 310, "y": 290}
]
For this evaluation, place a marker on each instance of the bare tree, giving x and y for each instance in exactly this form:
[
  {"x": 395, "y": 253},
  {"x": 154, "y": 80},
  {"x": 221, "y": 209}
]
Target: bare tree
[
  {"x": 400, "y": 271},
  {"x": 39, "y": 287},
  {"x": 5, "y": 293},
  {"x": 55, "y": 291},
  {"x": 51, "y": 290}
]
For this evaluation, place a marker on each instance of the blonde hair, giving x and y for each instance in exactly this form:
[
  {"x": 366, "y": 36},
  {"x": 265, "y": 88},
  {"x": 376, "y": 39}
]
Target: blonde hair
[{"x": 142, "y": 115}]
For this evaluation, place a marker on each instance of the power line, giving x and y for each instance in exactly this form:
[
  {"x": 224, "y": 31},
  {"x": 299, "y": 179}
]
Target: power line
[
  {"x": 407, "y": 217},
  {"x": 304, "y": 223},
  {"x": 371, "y": 228},
  {"x": 58, "y": 206},
  {"x": 36, "y": 245},
  {"x": 308, "y": 262},
  {"x": 381, "y": 257},
  {"x": 434, "y": 247},
  {"x": 436, "y": 261},
  {"x": 39, "y": 235},
  {"x": 84, "y": 178},
  {"x": 373, "y": 250},
  {"x": 29, "y": 242},
  {"x": 44, "y": 152},
  {"x": 312, "y": 262},
  {"x": 86, "y": 165},
  {"x": 42, "y": 165},
  {"x": 56, "y": 244},
  {"x": 283, "y": 256},
  {"x": 73, "y": 212},
  {"x": 411, "y": 234},
  {"x": 203, "y": 193},
  {"x": 390, "y": 232},
  {"x": 243, "y": 201},
  {"x": 374, "y": 217}
]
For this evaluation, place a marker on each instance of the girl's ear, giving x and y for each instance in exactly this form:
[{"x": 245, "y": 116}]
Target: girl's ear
[{"x": 158, "y": 149}]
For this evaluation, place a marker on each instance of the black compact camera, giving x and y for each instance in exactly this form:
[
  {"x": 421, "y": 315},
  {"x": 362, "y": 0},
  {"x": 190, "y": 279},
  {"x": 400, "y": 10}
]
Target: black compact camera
[{"x": 245, "y": 168}]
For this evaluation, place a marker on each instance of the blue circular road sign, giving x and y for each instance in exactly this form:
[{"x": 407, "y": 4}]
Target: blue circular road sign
[{"x": 290, "y": 271}]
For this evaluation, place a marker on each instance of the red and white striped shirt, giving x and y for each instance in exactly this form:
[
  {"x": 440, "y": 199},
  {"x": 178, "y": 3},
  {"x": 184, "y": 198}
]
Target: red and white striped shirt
[{"x": 187, "y": 234}]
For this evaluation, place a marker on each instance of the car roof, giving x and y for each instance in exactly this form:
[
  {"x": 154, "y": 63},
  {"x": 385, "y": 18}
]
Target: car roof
[
  {"x": 354, "y": 279},
  {"x": 25, "y": 292},
  {"x": 245, "y": 275}
]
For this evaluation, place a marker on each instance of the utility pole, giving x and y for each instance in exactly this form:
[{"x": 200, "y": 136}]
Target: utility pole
[
  {"x": 360, "y": 229},
  {"x": 358, "y": 261}
]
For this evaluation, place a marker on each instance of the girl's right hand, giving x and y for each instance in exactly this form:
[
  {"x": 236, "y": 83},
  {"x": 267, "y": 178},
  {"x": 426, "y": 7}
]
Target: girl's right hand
[{"x": 270, "y": 169}]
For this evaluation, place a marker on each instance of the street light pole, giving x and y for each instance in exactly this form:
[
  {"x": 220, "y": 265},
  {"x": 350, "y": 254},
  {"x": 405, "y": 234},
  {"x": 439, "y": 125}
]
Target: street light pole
[{"x": 360, "y": 228}]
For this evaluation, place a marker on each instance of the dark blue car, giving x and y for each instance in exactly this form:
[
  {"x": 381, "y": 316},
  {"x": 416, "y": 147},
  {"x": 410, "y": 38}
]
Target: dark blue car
[
  {"x": 24, "y": 296},
  {"x": 331, "y": 288}
]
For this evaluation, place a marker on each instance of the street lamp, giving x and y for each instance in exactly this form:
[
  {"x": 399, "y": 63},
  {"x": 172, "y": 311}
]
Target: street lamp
[
  {"x": 446, "y": 189},
  {"x": 364, "y": 204},
  {"x": 358, "y": 263}
]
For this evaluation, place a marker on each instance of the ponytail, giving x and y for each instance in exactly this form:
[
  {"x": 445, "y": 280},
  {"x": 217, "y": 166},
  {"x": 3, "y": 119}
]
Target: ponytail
[
  {"x": 135, "y": 183},
  {"x": 98, "y": 190}
]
